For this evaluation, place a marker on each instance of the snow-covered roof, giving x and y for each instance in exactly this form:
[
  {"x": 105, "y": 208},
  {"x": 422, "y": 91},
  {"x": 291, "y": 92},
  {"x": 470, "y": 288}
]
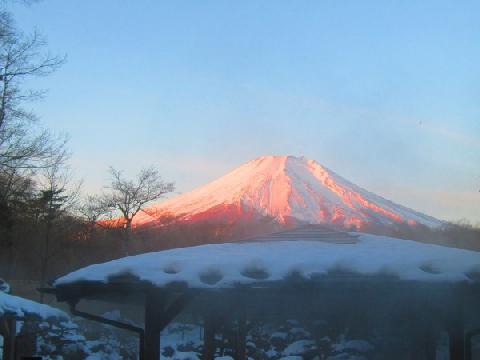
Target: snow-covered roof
[
  {"x": 227, "y": 265},
  {"x": 18, "y": 306}
]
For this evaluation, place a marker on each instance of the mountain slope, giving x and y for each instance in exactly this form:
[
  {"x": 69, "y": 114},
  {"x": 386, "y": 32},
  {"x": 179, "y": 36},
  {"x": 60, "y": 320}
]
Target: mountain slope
[{"x": 289, "y": 189}]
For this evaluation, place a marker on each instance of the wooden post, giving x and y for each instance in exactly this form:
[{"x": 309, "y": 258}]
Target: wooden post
[
  {"x": 141, "y": 346},
  {"x": 153, "y": 314},
  {"x": 456, "y": 333},
  {"x": 3, "y": 334},
  {"x": 209, "y": 338},
  {"x": 157, "y": 317},
  {"x": 9, "y": 333},
  {"x": 468, "y": 343},
  {"x": 430, "y": 345},
  {"x": 241, "y": 349}
]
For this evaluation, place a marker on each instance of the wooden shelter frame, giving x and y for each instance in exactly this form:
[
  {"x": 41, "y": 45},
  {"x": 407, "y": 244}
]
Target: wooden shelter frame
[{"x": 447, "y": 302}]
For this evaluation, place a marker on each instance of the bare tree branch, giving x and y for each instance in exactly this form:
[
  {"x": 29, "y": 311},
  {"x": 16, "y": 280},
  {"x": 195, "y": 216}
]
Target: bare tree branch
[
  {"x": 23, "y": 144},
  {"x": 128, "y": 197}
]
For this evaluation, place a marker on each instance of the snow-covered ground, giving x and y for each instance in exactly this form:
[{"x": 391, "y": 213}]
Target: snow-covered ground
[
  {"x": 225, "y": 265},
  {"x": 184, "y": 341},
  {"x": 181, "y": 341}
]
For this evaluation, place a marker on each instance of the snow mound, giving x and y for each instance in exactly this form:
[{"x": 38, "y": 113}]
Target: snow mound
[
  {"x": 230, "y": 264},
  {"x": 20, "y": 307},
  {"x": 299, "y": 347}
]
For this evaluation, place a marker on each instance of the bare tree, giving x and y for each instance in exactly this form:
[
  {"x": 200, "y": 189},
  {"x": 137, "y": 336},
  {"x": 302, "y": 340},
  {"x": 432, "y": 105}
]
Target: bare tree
[
  {"x": 25, "y": 147},
  {"x": 128, "y": 197},
  {"x": 24, "y": 144},
  {"x": 57, "y": 196},
  {"x": 90, "y": 211}
]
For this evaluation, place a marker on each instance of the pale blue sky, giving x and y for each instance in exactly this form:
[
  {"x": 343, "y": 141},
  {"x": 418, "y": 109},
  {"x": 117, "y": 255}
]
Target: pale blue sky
[{"x": 385, "y": 93}]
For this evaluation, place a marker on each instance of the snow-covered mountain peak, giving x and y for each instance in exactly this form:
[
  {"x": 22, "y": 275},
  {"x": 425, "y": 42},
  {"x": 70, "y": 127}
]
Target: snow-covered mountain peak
[{"x": 285, "y": 188}]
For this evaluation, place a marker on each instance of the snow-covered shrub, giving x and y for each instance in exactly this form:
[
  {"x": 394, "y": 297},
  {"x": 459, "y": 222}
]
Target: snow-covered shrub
[
  {"x": 4, "y": 286},
  {"x": 76, "y": 339}
]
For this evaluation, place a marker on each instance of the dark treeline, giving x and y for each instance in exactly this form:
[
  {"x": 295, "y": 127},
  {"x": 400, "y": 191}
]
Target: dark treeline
[
  {"x": 460, "y": 234},
  {"x": 75, "y": 242}
]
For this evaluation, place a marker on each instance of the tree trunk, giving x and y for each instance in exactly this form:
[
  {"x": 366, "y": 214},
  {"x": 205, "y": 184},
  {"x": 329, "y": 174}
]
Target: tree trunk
[
  {"x": 45, "y": 258},
  {"x": 127, "y": 236}
]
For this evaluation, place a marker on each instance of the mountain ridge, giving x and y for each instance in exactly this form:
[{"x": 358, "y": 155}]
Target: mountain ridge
[{"x": 285, "y": 188}]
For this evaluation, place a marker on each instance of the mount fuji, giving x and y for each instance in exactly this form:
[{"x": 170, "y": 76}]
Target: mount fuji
[{"x": 288, "y": 189}]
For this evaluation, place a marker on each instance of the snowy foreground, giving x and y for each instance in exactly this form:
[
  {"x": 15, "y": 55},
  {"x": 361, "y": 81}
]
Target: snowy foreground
[
  {"x": 225, "y": 265},
  {"x": 21, "y": 307},
  {"x": 287, "y": 341},
  {"x": 183, "y": 341}
]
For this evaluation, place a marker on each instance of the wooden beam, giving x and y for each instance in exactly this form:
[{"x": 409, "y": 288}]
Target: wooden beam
[
  {"x": 104, "y": 320},
  {"x": 173, "y": 309},
  {"x": 118, "y": 324}
]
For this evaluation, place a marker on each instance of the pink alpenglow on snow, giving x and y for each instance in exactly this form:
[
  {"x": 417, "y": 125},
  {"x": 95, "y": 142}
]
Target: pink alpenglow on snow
[{"x": 285, "y": 188}]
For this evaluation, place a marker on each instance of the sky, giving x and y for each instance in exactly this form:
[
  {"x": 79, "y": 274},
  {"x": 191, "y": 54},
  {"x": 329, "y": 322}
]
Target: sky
[{"x": 385, "y": 93}]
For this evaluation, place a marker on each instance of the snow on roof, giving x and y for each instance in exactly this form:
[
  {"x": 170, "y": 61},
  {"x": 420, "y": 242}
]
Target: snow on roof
[
  {"x": 229, "y": 264},
  {"x": 18, "y": 306}
]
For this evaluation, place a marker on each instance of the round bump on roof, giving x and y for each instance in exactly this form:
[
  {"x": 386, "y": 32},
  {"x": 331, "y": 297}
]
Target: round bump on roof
[
  {"x": 171, "y": 269},
  {"x": 429, "y": 268},
  {"x": 124, "y": 276},
  {"x": 341, "y": 269},
  {"x": 295, "y": 275},
  {"x": 211, "y": 276},
  {"x": 255, "y": 270}
]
